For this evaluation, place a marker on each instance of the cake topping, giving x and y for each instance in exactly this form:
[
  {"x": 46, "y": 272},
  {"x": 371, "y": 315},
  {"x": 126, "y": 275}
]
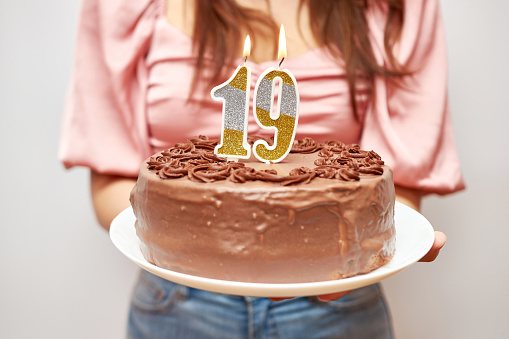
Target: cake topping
[
  {"x": 196, "y": 160},
  {"x": 306, "y": 145}
]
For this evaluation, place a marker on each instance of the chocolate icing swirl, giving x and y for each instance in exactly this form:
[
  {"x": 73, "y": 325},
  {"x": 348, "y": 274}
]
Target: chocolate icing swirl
[
  {"x": 196, "y": 160},
  {"x": 306, "y": 145}
]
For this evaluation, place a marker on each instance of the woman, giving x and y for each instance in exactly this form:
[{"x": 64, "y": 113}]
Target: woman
[{"x": 369, "y": 72}]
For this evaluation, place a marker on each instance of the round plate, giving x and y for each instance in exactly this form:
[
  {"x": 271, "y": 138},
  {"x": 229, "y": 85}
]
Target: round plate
[{"x": 414, "y": 238}]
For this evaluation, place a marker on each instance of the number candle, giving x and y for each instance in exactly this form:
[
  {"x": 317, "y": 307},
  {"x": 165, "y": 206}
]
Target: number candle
[
  {"x": 234, "y": 93},
  {"x": 287, "y": 116}
]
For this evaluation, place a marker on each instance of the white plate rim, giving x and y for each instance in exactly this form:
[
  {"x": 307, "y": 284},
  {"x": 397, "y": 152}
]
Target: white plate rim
[{"x": 414, "y": 238}]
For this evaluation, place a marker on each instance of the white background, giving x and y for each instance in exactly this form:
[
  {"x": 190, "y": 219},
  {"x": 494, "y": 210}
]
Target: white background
[{"x": 60, "y": 277}]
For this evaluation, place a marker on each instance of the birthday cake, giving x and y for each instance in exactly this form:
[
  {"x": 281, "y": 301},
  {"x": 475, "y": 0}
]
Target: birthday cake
[{"x": 326, "y": 212}]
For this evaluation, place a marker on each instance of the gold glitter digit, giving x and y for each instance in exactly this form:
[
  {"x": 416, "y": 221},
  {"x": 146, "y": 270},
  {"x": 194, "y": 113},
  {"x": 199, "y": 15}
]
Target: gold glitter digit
[
  {"x": 285, "y": 124},
  {"x": 280, "y": 74},
  {"x": 240, "y": 79},
  {"x": 232, "y": 143},
  {"x": 234, "y": 94}
]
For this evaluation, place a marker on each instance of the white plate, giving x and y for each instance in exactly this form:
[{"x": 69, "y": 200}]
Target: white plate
[{"x": 414, "y": 238}]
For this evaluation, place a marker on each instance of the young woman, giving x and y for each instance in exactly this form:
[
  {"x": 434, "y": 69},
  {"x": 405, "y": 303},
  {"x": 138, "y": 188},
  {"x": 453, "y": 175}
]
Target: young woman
[{"x": 369, "y": 72}]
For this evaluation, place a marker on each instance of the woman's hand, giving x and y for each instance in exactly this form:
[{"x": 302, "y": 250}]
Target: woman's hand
[
  {"x": 322, "y": 297},
  {"x": 440, "y": 239},
  {"x": 410, "y": 198}
]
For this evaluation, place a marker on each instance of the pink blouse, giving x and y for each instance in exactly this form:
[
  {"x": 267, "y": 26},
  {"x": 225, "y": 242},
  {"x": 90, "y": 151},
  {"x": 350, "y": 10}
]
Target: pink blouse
[{"x": 129, "y": 92}]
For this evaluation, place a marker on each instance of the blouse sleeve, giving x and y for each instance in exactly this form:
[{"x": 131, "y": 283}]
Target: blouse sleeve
[
  {"x": 104, "y": 125},
  {"x": 410, "y": 126}
]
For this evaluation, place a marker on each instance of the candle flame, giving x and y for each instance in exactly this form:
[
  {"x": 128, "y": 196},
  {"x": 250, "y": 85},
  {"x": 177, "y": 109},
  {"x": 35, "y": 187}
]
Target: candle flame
[
  {"x": 247, "y": 47},
  {"x": 282, "y": 44}
]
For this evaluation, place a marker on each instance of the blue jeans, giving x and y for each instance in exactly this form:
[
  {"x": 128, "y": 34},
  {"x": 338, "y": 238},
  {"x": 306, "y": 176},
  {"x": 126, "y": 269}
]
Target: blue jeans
[{"x": 162, "y": 309}]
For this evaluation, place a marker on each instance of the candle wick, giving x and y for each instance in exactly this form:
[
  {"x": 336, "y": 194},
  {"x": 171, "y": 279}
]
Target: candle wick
[
  {"x": 245, "y": 60},
  {"x": 283, "y": 59}
]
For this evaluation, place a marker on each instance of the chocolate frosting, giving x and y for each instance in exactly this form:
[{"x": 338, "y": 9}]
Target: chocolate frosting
[
  {"x": 196, "y": 160},
  {"x": 258, "y": 222}
]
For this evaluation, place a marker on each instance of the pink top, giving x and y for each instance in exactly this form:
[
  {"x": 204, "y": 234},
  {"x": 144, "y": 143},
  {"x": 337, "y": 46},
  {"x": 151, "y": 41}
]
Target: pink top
[{"x": 133, "y": 70}]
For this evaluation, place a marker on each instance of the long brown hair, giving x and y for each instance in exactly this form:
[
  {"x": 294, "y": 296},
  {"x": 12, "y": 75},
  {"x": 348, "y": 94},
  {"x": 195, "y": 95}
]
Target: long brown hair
[{"x": 339, "y": 25}]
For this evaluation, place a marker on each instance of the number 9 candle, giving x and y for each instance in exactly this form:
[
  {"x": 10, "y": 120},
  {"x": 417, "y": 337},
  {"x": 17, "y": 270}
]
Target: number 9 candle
[
  {"x": 287, "y": 116},
  {"x": 234, "y": 93}
]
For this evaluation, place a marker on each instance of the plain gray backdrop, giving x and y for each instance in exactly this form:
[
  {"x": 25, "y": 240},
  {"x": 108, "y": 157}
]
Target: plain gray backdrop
[{"x": 61, "y": 277}]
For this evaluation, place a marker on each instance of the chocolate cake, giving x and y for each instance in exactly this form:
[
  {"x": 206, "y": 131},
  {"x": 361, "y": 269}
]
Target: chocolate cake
[{"x": 325, "y": 212}]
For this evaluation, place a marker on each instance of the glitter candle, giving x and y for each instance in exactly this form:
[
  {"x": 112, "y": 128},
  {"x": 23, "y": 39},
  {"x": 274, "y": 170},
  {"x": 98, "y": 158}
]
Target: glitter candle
[
  {"x": 234, "y": 93},
  {"x": 287, "y": 116}
]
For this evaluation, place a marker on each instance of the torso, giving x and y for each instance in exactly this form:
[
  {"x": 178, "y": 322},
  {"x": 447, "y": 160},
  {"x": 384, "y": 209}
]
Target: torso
[{"x": 324, "y": 113}]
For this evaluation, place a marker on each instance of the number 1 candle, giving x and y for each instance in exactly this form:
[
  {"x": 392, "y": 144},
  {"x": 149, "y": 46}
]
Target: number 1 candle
[
  {"x": 234, "y": 94},
  {"x": 287, "y": 116}
]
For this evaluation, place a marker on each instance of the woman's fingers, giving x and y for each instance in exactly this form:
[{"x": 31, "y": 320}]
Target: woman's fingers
[
  {"x": 333, "y": 296},
  {"x": 322, "y": 297},
  {"x": 440, "y": 239},
  {"x": 280, "y": 299}
]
